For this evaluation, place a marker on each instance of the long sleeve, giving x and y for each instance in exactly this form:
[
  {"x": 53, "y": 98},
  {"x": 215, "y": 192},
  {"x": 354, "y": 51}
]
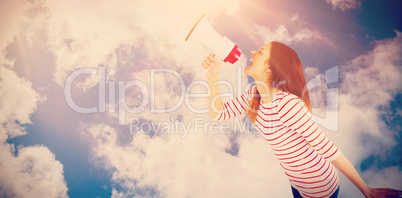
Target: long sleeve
[
  {"x": 296, "y": 116},
  {"x": 237, "y": 106}
]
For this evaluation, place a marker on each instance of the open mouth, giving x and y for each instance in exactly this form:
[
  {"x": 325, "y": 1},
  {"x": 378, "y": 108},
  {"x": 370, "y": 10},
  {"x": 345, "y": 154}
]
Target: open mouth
[{"x": 251, "y": 60}]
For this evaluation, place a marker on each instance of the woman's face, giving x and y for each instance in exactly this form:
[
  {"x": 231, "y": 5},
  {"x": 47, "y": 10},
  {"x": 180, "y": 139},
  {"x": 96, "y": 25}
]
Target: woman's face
[{"x": 259, "y": 67}]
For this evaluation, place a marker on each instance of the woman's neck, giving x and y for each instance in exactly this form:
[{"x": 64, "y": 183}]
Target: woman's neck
[{"x": 267, "y": 92}]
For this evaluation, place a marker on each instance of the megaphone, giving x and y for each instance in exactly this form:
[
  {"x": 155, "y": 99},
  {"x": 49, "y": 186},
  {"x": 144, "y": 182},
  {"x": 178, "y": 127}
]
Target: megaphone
[{"x": 204, "y": 34}]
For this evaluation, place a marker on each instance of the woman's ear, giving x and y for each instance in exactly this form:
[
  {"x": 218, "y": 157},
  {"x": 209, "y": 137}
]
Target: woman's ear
[{"x": 268, "y": 68}]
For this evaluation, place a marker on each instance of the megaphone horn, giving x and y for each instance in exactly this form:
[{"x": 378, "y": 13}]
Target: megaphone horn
[{"x": 204, "y": 34}]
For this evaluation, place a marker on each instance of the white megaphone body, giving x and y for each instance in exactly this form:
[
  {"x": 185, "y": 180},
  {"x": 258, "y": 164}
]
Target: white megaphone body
[{"x": 204, "y": 34}]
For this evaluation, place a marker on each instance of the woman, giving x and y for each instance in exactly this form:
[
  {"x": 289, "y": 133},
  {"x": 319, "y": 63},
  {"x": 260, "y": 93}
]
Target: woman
[{"x": 279, "y": 107}]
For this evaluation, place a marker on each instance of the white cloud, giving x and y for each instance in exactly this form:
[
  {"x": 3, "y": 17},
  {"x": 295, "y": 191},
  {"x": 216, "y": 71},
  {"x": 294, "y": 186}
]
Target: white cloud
[
  {"x": 33, "y": 173},
  {"x": 375, "y": 77},
  {"x": 196, "y": 166},
  {"x": 370, "y": 81},
  {"x": 389, "y": 177},
  {"x": 17, "y": 102},
  {"x": 282, "y": 34},
  {"x": 91, "y": 34},
  {"x": 295, "y": 17},
  {"x": 345, "y": 4}
]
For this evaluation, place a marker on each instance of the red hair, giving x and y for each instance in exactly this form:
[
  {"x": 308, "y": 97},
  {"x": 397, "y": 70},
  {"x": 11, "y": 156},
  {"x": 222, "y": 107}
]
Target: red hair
[{"x": 286, "y": 75}]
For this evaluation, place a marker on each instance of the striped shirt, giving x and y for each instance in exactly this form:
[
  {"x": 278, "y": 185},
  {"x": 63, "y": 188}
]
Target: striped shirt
[{"x": 303, "y": 150}]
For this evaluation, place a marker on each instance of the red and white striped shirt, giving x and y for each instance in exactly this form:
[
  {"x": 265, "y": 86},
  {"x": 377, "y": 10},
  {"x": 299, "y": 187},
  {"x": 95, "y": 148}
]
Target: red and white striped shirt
[{"x": 286, "y": 124}]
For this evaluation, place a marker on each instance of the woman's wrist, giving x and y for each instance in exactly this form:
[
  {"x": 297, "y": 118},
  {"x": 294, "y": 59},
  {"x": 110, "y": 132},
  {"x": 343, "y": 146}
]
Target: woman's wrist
[
  {"x": 213, "y": 79},
  {"x": 367, "y": 192}
]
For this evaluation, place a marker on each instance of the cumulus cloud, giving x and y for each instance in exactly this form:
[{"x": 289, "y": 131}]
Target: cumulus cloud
[
  {"x": 34, "y": 172},
  {"x": 194, "y": 166},
  {"x": 18, "y": 101},
  {"x": 86, "y": 38},
  {"x": 282, "y": 34},
  {"x": 389, "y": 177},
  {"x": 370, "y": 82},
  {"x": 345, "y": 4}
]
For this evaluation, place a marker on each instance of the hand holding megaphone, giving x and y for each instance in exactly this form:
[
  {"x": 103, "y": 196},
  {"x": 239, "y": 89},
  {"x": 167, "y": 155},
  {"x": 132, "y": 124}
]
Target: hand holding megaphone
[
  {"x": 204, "y": 34},
  {"x": 211, "y": 66}
]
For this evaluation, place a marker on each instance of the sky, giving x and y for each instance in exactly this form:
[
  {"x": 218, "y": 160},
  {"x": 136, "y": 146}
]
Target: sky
[{"x": 106, "y": 99}]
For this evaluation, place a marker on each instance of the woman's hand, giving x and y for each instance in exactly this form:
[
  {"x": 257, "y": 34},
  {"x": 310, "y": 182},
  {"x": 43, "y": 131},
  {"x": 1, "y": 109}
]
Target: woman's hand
[
  {"x": 384, "y": 193},
  {"x": 213, "y": 62}
]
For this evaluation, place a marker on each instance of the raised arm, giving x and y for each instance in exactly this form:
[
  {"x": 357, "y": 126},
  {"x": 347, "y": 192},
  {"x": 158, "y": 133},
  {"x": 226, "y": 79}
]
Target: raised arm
[
  {"x": 214, "y": 101},
  {"x": 217, "y": 109}
]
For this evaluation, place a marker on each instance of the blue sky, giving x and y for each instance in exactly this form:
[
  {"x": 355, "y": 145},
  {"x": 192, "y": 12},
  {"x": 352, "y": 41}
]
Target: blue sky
[{"x": 49, "y": 148}]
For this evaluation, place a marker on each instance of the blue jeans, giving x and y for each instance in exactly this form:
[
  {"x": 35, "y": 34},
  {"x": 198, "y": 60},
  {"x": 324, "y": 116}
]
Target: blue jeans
[{"x": 296, "y": 193}]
